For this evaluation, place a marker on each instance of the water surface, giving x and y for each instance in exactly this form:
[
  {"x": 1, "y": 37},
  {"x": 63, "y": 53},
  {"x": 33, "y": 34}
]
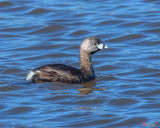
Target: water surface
[{"x": 126, "y": 91}]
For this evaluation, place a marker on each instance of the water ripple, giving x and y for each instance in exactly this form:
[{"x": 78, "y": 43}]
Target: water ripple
[{"x": 126, "y": 91}]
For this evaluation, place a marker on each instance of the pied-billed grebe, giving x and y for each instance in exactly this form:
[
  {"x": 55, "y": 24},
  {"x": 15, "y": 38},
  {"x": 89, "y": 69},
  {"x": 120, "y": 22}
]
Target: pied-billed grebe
[{"x": 67, "y": 74}]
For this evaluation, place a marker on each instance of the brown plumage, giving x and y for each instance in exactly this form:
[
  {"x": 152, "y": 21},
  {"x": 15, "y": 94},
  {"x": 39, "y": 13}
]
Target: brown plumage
[{"x": 67, "y": 74}]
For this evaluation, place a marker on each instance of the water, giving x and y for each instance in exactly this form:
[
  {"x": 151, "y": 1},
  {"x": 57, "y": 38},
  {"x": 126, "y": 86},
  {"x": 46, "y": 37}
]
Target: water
[{"x": 126, "y": 91}]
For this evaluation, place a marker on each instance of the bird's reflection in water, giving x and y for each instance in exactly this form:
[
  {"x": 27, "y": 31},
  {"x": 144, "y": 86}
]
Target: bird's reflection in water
[
  {"x": 60, "y": 88},
  {"x": 88, "y": 88}
]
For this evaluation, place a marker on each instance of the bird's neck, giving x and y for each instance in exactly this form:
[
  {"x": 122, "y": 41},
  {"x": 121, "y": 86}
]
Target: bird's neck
[{"x": 86, "y": 64}]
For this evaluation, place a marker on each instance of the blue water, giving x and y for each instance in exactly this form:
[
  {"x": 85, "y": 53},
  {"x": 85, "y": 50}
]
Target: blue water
[{"x": 126, "y": 91}]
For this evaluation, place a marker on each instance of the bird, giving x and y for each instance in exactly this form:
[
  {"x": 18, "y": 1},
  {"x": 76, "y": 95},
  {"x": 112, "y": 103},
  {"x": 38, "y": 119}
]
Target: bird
[{"x": 68, "y": 74}]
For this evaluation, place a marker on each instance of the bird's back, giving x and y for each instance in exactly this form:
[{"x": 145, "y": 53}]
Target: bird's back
[{"x": 57, "y": 73}]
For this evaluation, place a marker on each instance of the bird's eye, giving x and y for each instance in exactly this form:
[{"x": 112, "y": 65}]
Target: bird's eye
[{"x": 95, "y": 43}]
